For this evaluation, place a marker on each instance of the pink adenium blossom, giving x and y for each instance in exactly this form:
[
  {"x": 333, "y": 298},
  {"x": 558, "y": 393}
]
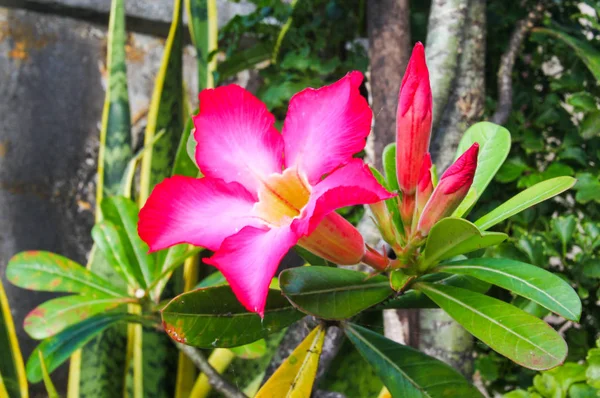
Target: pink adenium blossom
[
  {"x": 450, "y": 191},
  {"x": 264, "y": 192}
]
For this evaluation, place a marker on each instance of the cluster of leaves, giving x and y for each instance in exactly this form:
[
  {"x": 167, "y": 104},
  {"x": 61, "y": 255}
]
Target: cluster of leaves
[{"x": 555, "y": 125}]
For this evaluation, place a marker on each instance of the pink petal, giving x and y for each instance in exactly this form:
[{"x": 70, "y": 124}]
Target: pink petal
[
  {"x": 236, "y": 137},
  {"x": 325, "y": 127},
  {"x": 249, "y": 259},
  {"x": 201, "y": 212},
  {"x": 349, "y": 185}
]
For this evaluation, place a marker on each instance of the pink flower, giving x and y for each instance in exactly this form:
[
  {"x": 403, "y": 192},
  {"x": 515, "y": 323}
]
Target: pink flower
[
  {"x": 264, "y": 192},
  {"x": 450, "y": 191},
  {"x": 413, "y": 121}
]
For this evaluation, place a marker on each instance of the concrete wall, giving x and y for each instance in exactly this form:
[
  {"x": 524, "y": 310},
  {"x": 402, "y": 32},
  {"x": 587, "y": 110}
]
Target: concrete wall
[{"x": 51, "y": 94}]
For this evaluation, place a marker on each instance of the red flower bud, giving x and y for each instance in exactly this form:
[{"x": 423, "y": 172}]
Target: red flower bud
[
  {"x": 413, "y": 121},
  {"x": 450, "y": 191}
]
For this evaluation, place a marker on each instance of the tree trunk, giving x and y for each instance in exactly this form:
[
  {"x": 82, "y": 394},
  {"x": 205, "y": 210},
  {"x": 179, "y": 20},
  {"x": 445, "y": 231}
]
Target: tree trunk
[{"x": 457, "y": 63}]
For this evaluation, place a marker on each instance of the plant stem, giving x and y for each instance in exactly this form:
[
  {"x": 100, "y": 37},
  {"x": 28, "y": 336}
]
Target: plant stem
[{"x": 214, "y": 378}]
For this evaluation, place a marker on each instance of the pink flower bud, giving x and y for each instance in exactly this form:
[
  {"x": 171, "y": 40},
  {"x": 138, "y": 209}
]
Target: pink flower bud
[
  {"x": 450, "y": 191},
  {"x": 425, "y": 185},
  {"x": 336, "y": 240},
  {"x": 413, "y": 121}
]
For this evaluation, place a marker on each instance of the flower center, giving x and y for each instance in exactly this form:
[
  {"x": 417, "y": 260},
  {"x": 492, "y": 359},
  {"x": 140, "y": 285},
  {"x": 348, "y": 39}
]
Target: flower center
[{"x": 282, "y": 197}]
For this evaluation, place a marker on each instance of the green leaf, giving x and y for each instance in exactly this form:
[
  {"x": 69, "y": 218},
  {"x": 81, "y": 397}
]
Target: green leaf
[
  {"x": 591, "y": 268},
  {"x": 587, "y": 187},
  {"x": 185, "y": 163},
  {"x": 406, "y": 372},
  {"x": 593, "y": 371},
  {"x": 115, "y": 134},
  {"x": 213, "y": 317},
  {"x": 584, "y": 50},
  {"x": 253, "y": 350},
  {"x": 590, "y": 125},
  {"x": 508, "y": 330},
  {"x": 453, "y": 236},
  {"x": 123, "y": 213},
  {"x": 494, "y": 145},
  {"x": 166, "y": 111},
  {"x": 526, "y": 280},
  {"x": 416, "y": 299},
  {"x": 296, "y": 375},
  {"x": 108, "y": 239},
  {"x": 202, "y": 23},
  {"x": 215, "y": 279},
  {"x": 564, "y": 228},
  {"x": 39, "y": 270},
  {"x": 389, "y": 166},
  {"x": 523, "y": 200},
  {"x": 332, "y": 293},
  {"x": 582, "y": 101},
  {"x": 55, "y": 315},
  {"x": 59, "y": 348},
  {"x": 511, "y": 170},
  {"x": 244, "y": 60},
  {"x": 50, "y": 389},
  {"x": 13, "y": 383}
]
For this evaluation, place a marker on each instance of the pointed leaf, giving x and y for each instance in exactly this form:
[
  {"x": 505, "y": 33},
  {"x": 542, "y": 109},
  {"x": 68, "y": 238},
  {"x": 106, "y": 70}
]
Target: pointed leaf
[
  {"x": 406, "y": 372},
  {"x": 12, "y": 370},
  {"x": 332, "y": 293},
  {"x": 123, "y": 213},
  {"x": 55, "y": 315},
  {"x": 453, "y": 236},
  {"x": 107, "y": 237},
  {"x": 202, "y": 23},
  {"x": 296, "y": 375},
  {"x": 39, "y": 270},
  {"x": 213, "y": 317},
  {"x": 416, "y": 299},
  {"x": 512, "y": 332},
  {"x": 494, "y": 145},
  {"x": 523, "y": 200},
  {"x": 524, "y": 279},
  {"x": 59, "y": 348},
  {"x": 564, "y": 228}
]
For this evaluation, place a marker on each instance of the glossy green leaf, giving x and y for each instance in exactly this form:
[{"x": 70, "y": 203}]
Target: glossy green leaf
[
  {"x": 416, "y": 299},
  {"x": 115, "y": 149},
  {"x": 590, "y": 125},
  {"x": 108, "y": 239},
  {"x": 57, "y": 349},
  {"x": 582, "y": 101},
  {"x": 593, "y": 371},
  {"x": 12, "y": 370},
  {"x": 50, "y": 389},
  {"x": 453, "y": 236},
  {"x": 406, "y": 372},
  {"x": 332, "y": 293},
  {"x": 584, "y": 50},
  {"x": 215, "y": 279},
  {"x": 389, "y": 166},
  {"x": 520, "y": 336},
  {"x": 123, "y": 213},
  {"x": 253, "y": 350},
  {"x": 296, "y": 375},
  {"x": 55, "y": 315},
  {"x": 39, "y": 270},
  {"x": 494, "y": 145},
  {"x": 523, "y": 200},
  {"x": 526, "y": 280},
  {"x": 213, "y": 317}
]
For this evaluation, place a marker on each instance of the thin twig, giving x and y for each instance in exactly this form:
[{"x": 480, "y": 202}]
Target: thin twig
[
  {"x": 214, "y": 378},
  {"x": 507, "y": 63}
]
